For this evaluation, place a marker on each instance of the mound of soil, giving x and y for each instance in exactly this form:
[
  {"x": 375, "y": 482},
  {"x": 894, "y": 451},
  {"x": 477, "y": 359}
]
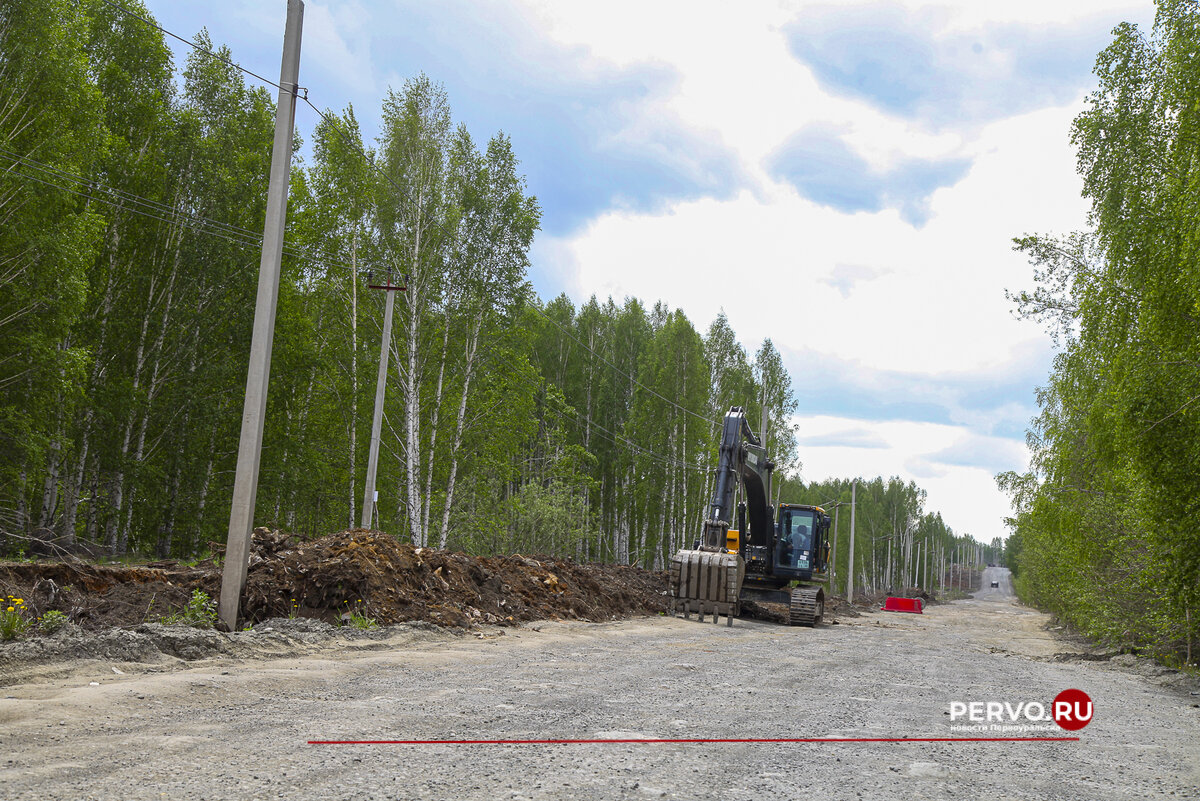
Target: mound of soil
[
  {"x": 357, "y": 571},
  {"x": 101, "y": 596},
  {"x": 395, "y": 582}
]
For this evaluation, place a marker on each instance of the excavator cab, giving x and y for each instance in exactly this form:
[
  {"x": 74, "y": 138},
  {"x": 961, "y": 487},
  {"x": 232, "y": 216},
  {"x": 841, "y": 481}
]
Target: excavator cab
[{"x": 800, "y": 542}]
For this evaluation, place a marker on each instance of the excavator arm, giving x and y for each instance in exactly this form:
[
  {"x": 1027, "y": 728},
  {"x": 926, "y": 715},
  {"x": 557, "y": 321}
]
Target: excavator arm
[
  {"x": 741, "y": 458},
  {"x": 708, "y": 579}
]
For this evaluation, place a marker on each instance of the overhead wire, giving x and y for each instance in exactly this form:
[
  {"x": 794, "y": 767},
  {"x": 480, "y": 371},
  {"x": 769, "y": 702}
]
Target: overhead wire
[
  {"x": 195, "y": 46},
  {"x": 119, "y": 200},
  {"x": 618, "y": 439},
  {"x": 138, "y": 204},
  {"x": 303, "y": 97},
  {"x": 574, "y": 339}
]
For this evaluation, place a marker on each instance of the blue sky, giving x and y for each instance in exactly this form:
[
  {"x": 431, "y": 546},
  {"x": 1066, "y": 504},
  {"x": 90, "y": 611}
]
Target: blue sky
[
  {"x": 844, "y": 178},
  {"x": 564, "y": 116}
]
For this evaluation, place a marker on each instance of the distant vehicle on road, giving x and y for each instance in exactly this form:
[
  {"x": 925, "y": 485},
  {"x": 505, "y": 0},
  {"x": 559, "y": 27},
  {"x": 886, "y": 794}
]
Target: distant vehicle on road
[{"x": 995, "y": 584}]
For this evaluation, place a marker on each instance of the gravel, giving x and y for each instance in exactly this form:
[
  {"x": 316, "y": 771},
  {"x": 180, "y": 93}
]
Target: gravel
[{"x": 238, "y": 728}]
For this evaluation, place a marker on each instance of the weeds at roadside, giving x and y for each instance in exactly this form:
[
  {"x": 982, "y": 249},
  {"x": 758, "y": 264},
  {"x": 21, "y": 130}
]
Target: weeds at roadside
[
  {"x": 199, "y": 612},
  {"x": 13, "y": 620},
  {"x": 53, "y": 620},
  {"x": 357, "y": 617}
]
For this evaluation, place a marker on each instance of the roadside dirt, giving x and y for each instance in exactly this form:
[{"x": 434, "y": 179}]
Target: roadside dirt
[
  {"x": 114, "y": 611},
  {"x": 229, "y": 728},
  {"x": 324, "y": 579}
]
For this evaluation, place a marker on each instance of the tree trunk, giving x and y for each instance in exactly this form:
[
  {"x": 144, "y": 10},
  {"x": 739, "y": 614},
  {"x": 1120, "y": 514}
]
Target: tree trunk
[
  {"x": 433, "y": 434},
  {"x": 353, "y": 373},
  {"x": 50, "y": 486},
  {"x": 468, "y": 372},
  {"x": 412, "y": 395}
]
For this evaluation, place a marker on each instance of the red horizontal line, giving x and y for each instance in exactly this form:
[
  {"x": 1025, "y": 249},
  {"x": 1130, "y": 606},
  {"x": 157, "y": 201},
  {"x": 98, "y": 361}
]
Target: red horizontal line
[{"x": 710, "y": 740}]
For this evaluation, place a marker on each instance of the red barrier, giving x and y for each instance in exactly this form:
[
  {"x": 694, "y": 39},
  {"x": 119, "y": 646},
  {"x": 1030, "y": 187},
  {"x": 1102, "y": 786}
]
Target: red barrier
[{"x": 902, "y": 605}]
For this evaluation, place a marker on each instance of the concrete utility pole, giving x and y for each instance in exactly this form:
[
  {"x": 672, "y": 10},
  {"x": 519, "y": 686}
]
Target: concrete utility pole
[
  {"x": 385, "y": 345},
  {"x": 833, "y": 561},
  {"x": 850, "y": 579},
  {"x": 245, "y": 482}
]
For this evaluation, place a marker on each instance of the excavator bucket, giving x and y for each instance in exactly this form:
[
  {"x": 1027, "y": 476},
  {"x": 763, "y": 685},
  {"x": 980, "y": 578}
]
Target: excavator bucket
[{"x": 706, "y": 582}]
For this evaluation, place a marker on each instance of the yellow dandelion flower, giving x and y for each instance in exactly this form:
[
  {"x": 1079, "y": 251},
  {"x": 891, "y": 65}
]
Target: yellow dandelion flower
[{"x": 11, "y": 609}]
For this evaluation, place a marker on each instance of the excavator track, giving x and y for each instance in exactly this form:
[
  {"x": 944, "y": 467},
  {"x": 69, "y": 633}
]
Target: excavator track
[{"x": 807, "y": 607}]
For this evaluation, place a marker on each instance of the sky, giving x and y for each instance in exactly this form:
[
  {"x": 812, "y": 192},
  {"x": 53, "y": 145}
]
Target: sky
[{"x": 844, "y": 178}]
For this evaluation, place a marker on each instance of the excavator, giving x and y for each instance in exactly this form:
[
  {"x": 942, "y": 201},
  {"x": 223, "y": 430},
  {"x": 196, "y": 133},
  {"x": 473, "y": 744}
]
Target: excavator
[{"x": 781, "y": 558}]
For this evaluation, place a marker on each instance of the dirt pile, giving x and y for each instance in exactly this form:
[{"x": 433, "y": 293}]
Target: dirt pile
[
  {"x": 358, "y": 570},
  {"x": 395, "y": 582}
]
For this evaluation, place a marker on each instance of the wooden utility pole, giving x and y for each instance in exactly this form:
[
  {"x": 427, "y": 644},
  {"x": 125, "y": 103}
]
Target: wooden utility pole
[
  {"x": 850, "y": 571},
  {"x": 245, "y": 481}
]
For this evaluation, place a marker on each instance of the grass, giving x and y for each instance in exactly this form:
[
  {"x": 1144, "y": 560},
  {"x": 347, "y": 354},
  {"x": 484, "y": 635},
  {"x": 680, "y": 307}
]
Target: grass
[{"x": 356, "y": 616}]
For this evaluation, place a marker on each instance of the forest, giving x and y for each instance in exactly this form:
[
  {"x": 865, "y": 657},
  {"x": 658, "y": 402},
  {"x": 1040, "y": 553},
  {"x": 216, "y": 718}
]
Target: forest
[
  {"x": 1106, "y": 526},
  {"x": 132, "y": 195}
]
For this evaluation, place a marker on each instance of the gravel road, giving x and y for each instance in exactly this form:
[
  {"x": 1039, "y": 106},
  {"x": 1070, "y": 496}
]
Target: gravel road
[{"x": 231, "y": 729}]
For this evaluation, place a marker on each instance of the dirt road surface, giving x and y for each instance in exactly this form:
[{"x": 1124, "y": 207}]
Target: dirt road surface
[{"x": 241, "y": 729}]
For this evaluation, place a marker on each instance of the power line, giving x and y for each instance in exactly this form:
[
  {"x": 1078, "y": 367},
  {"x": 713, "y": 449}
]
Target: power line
[
  {"x": 125, "y": 201},
  {"x": 618, "y": 439},
  {"x": 605, "y": 433},
  {"x": 137, "y": 204},
  {"x": 574, "y": 339},
  {"x": 197, "y": 47},
  {"x": 358, "y": 146}
]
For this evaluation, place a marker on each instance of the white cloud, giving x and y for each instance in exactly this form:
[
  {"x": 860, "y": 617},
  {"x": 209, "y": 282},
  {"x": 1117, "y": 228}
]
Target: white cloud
[
  {"x": 954, "y": 465},
  {"x": 844, "y": 277},
  {"x": 865, "y": 290},
  {"x": 937, "y": 302},
  {"x": 337, "y": 43}
]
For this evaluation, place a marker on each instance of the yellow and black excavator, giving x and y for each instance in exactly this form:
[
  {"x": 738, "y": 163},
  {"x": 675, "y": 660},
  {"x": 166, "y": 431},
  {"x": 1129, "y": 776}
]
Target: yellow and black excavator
[{"x": 780, "y": 557}]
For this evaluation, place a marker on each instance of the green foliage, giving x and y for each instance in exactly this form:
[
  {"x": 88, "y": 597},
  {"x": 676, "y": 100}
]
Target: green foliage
[
  {"x": 898, "y": 544},
  {"x": 199, "y": 612},
  {"x": 48, "y": 237},
  {"x": 509, "y": 423},
  {"x": 53, "y": 620},
  {"x": 1105, "y": 525}
]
